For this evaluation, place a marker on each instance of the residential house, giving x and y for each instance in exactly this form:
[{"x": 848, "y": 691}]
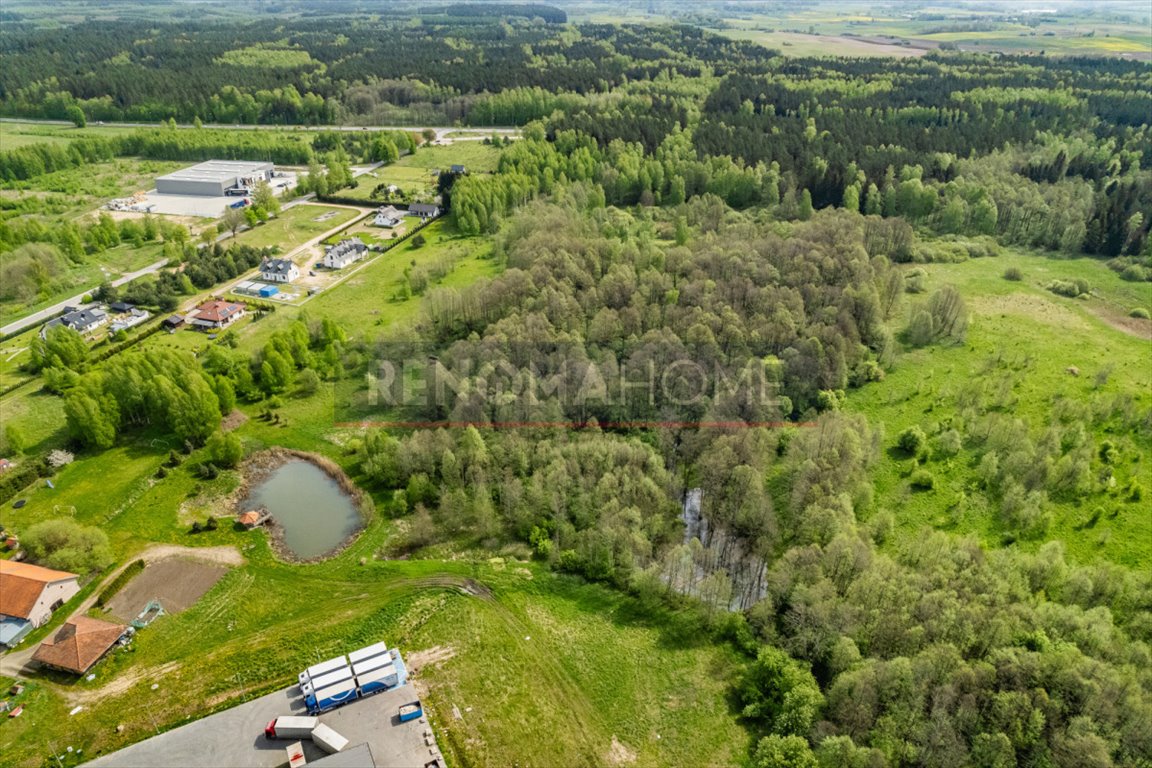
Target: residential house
[
  {"x": 216, "y": 314},
  {"x": 79, "y": 320},
  {"x": 278, "y": 271},
  {"x": 458, "y": 170},
  {"x": 28, "y": 595},
  {"x": 120, "y": 307},
  {"x": 130, "y": 320},
  {"x": 425, "y": 211},
  {"x": 343, "y": 253},
  {"x": 388, "y": 217},
  {"x": 79, "y": 644}
]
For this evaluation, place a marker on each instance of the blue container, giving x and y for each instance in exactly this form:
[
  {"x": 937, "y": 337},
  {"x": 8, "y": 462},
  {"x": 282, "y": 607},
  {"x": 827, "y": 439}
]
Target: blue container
[{"x": 269, "y": 291}]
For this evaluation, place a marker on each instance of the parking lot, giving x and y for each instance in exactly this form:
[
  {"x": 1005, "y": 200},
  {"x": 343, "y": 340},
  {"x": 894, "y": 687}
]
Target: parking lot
[
  {"x": 202, "y": 206},
  {"x": 235, "y": 737}
]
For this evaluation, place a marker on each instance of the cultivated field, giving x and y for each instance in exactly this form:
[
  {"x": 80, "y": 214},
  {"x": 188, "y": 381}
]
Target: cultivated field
[{"x": 176, "y": 582}]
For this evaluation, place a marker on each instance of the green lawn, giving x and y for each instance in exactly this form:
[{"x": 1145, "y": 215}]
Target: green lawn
[
  {"x": 295, "y": 226},
  {"x": 1021, "y": 341}
]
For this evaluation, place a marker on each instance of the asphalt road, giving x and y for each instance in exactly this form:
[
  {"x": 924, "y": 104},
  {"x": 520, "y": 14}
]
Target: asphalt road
[{"x": 45, "y": 314}]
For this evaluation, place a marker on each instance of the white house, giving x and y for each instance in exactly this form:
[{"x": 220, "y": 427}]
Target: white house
[
  {"x": 79, "y": 320},
  {"x": 278, "y": 271},
  {"x": 387, "y": 217},
  {"x": 343, "y": 253},
  {"x": 30, "y": 593},
  {"x": 131, "y": 319}
]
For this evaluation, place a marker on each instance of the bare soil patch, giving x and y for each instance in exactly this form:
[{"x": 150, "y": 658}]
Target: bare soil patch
[
  {"x": 176, "y": 582},
  {"x": 233, "y": 420},
  {"x": 1031, "y": 306},
  {"x": 618, "y": 754},
  {"x": 1133, "y": 326}
]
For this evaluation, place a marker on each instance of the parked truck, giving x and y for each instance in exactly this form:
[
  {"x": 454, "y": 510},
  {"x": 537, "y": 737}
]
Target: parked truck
[
  {"x": 371, "y": 651},
  {"x": 291, "y": 727},
  {"x": 319, "y": 669},
  {"x": 327, "y": 679},
  {"x": 331, "y": 697},
  {"x": 328, "y": 740},
  {"x": 378, "y": 680},
  {"x": 367, "y": 665}
]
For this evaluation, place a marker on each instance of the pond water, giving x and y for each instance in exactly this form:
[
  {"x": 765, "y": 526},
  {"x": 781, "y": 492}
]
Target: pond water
[{"x": 314, "y": 513}]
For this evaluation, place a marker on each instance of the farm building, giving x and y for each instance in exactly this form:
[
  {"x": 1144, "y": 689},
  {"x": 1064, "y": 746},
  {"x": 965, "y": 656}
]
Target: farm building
[
  {"x": 387, "y": 217},
  {"x": 173, "y": 322},
  {"x": 424, "y": 210},
  {"x": 214, "y": 178},
  {"x": 217, "y": 314},
  {"x": 343, "y": 253},
  {"x": 28, "y": 595},
  {"x": 278, "y": 271},
  {"x": 79, "y": 644}
]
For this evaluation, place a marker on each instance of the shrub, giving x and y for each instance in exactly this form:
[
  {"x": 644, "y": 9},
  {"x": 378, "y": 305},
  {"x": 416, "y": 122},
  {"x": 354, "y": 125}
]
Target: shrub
[
  {"x": 1135, "y": 273},
  {"x": 1140, "y": 312},
  {"x": 911, "y": 440},
  {"x": 68, "y": 546},
  {"x": 1014, "y": 274},
  {"x": 1070, "y": 288},
  {"x": 922, "y": 480}
]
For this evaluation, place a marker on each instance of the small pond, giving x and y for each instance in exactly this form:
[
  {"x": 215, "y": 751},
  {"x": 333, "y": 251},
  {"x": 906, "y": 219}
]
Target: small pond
[{"x": 315, "y": 515}]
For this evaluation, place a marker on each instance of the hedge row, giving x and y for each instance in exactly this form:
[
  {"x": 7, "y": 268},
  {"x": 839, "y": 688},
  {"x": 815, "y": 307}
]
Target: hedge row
[{"x": 119, "y": 582}]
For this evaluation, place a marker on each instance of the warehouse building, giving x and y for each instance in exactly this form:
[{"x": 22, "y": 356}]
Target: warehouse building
[{"x": 215, "y": 178}]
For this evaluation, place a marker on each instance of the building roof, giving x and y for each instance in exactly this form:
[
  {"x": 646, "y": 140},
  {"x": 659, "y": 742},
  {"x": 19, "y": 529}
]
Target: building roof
[
  {"x": 389, "y": 211},
  {"x": 84, "y": 317},
  {"x": 250, "y": 517},
  {"x": 423, "y": 208},
  {"x": 277, "y": 266},
  {"x": 79, "y": 644},
  {"x": 121, "y": 306},
  {"x": 359, "y": 756},
  {"x": 217, "y": 170},
  {"x": 21, "y": 585},
  {"x": 173, "y": 320},
  {"x": 13, "y": 629},
  {"x": 458, "y": 169},
  {"x": 217, "y": 311}
]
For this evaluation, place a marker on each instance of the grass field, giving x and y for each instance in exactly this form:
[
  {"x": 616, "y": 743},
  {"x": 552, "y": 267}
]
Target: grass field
[
  {"x": 415, "y": 173},
  {"x": 1021, "y": 340},
  {"x": 295, "y": 226}
]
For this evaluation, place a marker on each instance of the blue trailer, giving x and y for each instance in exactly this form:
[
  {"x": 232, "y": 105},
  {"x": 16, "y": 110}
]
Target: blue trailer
[
  {"x": 411, "y": 711},
  {"x": 331, "y": 697},
  {"x": 378, "y": 680}
]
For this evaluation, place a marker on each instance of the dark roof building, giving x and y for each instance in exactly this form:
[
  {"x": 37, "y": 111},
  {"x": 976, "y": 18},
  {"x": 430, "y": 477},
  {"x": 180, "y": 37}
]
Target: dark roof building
[
  {"x": 217, "y": 314},
  {"x": 424, "y": 210}
]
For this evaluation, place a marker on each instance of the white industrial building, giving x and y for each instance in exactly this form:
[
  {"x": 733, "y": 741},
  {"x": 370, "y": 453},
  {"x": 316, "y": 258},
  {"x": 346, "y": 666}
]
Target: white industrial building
[{"x": 214, "y": 178}]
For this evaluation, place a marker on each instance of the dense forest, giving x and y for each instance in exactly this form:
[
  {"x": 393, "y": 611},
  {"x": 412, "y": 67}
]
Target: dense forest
[{"x": 675, "y": 198}]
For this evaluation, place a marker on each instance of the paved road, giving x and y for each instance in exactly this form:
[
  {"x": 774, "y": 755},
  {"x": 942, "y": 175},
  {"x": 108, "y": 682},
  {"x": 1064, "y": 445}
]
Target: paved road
[
  {"x": 441, "y": 131},
  {"x": 38, "y": 317}
]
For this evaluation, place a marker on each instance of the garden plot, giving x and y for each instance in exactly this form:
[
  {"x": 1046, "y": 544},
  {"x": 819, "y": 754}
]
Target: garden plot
[{"x": 176, "y": 582}]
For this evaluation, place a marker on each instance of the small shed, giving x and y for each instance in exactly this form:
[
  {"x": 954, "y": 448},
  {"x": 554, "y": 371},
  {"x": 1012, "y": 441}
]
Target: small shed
[
  {"x": 268, "y": 291},
  {"x": 251, "y": 518}
]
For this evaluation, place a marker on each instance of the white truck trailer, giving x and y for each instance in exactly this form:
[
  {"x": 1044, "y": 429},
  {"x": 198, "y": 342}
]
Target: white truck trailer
[
  {"x": 327, "y": 679},
  {"x": 291, "y": 727},
  {"x": 376, "y": 649},
  {"x": 319, "y": 669},
  {"x": 328, "y": 740}
]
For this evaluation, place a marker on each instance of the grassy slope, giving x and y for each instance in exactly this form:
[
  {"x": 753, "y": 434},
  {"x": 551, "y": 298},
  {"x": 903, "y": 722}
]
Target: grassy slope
[
  {"x": 1025, "y": 337},
  {"x": 622, "y": 676}
]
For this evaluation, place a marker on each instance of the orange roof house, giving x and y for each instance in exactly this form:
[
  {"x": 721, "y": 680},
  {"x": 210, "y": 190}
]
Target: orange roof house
[
  {"x": 79, "y": 644},
  {"x": 31, "y": 593},
  {"x": 250, "y": 519},
  {"x": 217, "y": 314}
]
